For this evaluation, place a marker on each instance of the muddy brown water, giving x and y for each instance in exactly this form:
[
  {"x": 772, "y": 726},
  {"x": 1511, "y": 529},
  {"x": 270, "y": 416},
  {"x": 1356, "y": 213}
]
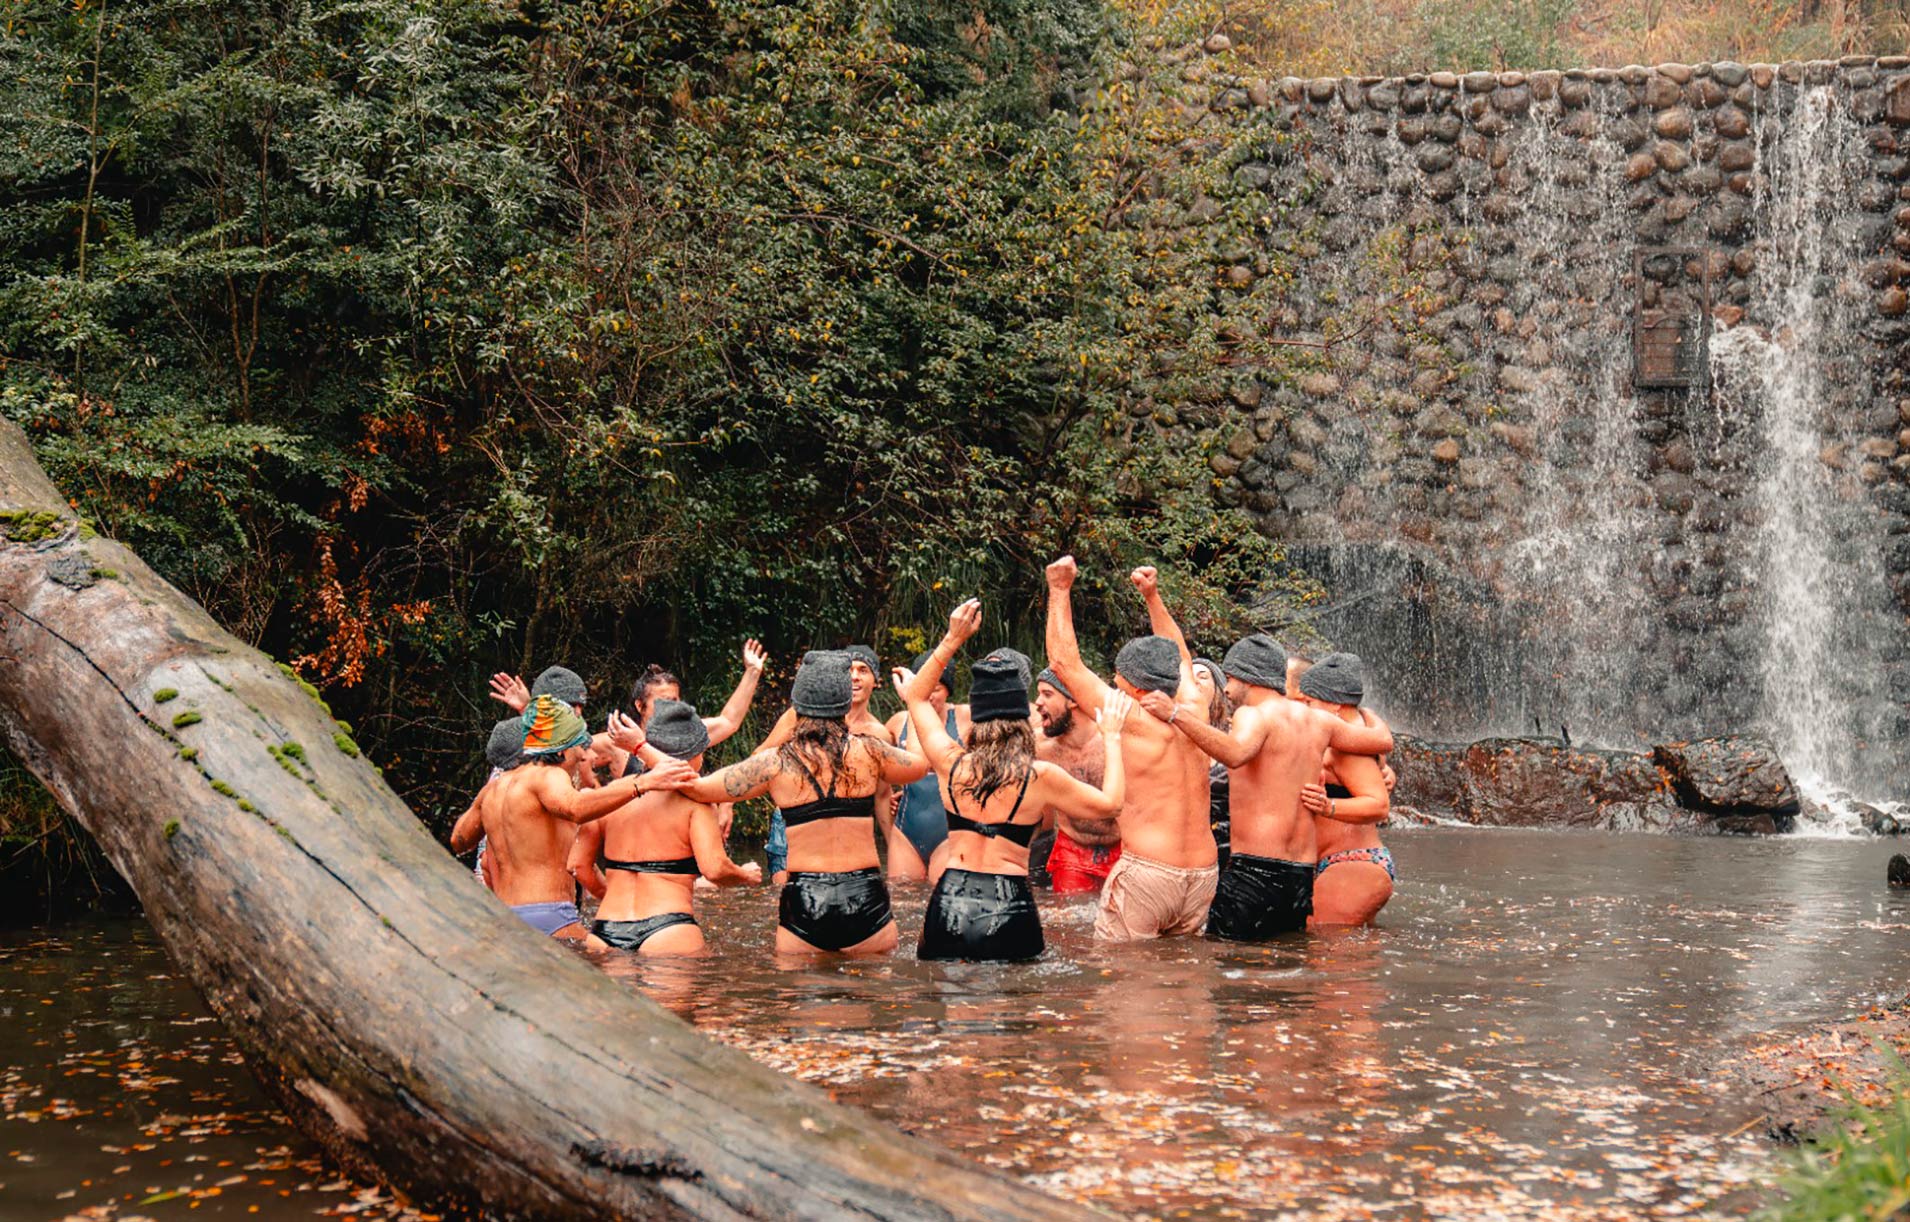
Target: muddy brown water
[{"x": 1533, "y": 1032}]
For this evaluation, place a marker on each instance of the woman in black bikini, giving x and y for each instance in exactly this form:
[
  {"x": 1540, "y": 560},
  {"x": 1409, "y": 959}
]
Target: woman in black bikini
[
  {"x": 825, "y": 780},
  {"x": 995, "y": 791},
  {"x": 642, "y": 860}
]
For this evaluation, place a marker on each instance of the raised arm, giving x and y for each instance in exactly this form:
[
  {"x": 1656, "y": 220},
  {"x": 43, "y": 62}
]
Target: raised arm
[
  {"x": 1233, "y": 746},
  {"x": 780, "y": 733},
  {"x": 1160, "y": 622},
  {"x": 712, "y": 860},
  {"x": 1063, "y": 791},
  {"x": 729, "y": 718},
  {"x": 929, "y": 733},
  {"x": 963, "y": 622},
  {"x": 1064, "y": 653},
  {"x": 584, "y": 851}
]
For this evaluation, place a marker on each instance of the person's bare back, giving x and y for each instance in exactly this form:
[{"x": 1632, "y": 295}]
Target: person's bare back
[
  {"x": 1273, "y": 750},
  {"x": 529, "y": 847}
]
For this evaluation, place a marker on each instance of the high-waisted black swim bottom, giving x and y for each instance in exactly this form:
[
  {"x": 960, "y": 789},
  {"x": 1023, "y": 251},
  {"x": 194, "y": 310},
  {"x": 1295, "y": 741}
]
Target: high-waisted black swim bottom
[
  {"x": 629, "y": 935},
  {"x": 1260, "y": 898},
  {"x": 981, "y": 917},
  {"x": 834, "y": 911}
]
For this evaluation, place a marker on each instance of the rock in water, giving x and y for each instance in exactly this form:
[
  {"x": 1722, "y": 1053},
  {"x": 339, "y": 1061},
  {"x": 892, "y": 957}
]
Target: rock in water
[
  {"x": 1737, "y": 782},
  {"x": 1900, "y": 872},
  {"x": 1536, "y": 782}
]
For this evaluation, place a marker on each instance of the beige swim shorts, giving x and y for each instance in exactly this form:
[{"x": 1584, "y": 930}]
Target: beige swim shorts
[{"x": 1145, "y": 898}]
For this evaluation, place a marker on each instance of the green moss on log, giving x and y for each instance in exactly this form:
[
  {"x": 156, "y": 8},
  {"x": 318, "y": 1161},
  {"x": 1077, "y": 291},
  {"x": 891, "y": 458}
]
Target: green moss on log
[
  {"x": 220, "y": 787},
  {"x": 188, "y": 753},
  {"x": 30, "y": 525},
  {"x": 190, "y": 717},
  {"x": 295, "y": 751},
  {"x": 164, "y": 694},
  {"x": 344, "y": 743},
  {"x": 172, "y": 828}
]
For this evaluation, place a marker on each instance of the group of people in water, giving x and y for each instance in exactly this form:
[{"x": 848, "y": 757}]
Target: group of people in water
[{"x": 1239, "y": 798}]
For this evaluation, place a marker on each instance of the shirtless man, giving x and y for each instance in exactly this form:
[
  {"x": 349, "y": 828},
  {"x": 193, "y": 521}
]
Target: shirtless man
[
  {"x": 1085, "y": 849},
  {"x": 530, "y": 814},
  {"x": 863, "y": 664},
  {"x": 1166, "y": 876},
  {"x": 503, "y": 752},
  {"x": 1272, "y": 751},
  {"x": 1354, "y": 877}
]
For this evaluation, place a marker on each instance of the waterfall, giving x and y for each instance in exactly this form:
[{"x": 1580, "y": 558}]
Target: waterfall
[
  {"x": 1814, "y": 558},
  {"x": 1515, "y": 536}
]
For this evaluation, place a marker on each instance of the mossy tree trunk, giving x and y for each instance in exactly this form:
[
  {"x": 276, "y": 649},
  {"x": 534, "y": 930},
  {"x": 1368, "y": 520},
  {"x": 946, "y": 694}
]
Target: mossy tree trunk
[{"x": 397, "y": 1011}]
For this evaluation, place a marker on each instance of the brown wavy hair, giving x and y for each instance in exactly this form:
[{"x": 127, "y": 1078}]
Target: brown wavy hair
[
  {"x": 999, "y": 754},
  {"x": 815, "y": 742}
]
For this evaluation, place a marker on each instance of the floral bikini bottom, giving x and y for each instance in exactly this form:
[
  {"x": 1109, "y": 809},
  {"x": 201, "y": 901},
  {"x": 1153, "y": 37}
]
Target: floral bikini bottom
[{"x": 1379, "y": 857}]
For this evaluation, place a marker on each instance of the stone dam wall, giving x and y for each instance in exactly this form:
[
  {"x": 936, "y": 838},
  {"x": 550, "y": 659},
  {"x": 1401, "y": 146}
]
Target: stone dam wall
[{"x": 1608, "y": 434}]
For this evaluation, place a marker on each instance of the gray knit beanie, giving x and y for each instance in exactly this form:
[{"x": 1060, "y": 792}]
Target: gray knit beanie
[
  {"x": 1150, "y": 663},
  {"x": 1257, "y": 661},
  {"x": 676, "y": 730},
  {"x": 1337, "y": 679},
  {"x": 562, "y": 683},
  {"x": 822, "y": 684}
]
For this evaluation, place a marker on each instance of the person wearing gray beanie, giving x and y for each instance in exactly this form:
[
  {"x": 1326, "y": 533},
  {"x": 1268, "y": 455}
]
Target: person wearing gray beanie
[
  {"x": 1079, "y": 854},
  {"x": 1353, "y": 878},
  {"x": 982, "y": 908},
  {"x": 822, "y": 687},
  {"x": 1165, "y": 877},
  {"x": 824, "y": 777},
  {"x": 1257, "y": 661},
  {"x": 1273, "y": 750},
  {"x": 562, "y": 683},
  {"x": 643, "y": 859},
  {"x": 1337, "y": 678}
]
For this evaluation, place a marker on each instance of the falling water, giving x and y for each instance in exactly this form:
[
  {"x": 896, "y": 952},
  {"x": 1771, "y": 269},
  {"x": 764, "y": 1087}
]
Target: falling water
[
  {"x": 1812, "y": 561},
  {"x": 1637, "y": 565}
]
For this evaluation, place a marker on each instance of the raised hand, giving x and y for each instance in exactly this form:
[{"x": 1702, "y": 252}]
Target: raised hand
[
  {"x": 1313, "y": 798},
  {"x": 902, "y": 677},
  {"x": 510, "y": 691},
  {"x": 1113, "y": 713},
  {"x": 625, "y": 732},
  {"x": 1159, "y": 705},
  {"x": 754, "y": 657},
  {"x": 1146, "y": 580},
  {"x": 1061, "y": 574},
  {"x": 965, "y": 620}
]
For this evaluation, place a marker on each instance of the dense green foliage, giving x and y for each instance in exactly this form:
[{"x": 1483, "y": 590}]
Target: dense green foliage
[{"x": 419, "y": 339}]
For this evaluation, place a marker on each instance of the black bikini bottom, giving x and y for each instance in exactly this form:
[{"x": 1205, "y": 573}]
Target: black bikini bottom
[
  {"x": 629, "y": 935},
  {"x": 981, "y": 917},
  {"x": 834, "y": 911},
  {"x": 1260, "y": 898}
]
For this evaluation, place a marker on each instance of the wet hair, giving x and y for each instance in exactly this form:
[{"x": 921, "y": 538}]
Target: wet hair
[
  {"x": 1220, "y": 711},
  {"x": 999, "y": 754},
  {"x": 653, "y": 677},
  {"x": 815, "y": 742}
]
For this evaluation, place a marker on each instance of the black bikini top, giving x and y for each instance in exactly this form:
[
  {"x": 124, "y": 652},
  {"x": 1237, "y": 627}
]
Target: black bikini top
[
  {"x": 1007, "y": 829},
  {"x": 1335, "y": 790},
  {"x": 826, "y": 805},
  {"x": 680, "y": 865}
]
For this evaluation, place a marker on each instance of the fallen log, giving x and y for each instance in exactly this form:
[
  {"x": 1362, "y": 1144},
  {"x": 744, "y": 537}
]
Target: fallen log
[{"x": 396, "y": 1010}]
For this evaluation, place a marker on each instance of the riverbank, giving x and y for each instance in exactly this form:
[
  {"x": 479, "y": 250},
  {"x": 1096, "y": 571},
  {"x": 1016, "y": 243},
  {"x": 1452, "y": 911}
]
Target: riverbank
[{"x": 1803, "y": 1079}]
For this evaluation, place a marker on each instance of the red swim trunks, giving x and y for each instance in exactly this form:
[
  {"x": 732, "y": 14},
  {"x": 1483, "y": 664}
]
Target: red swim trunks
[{"x": 1077, "y": 869}]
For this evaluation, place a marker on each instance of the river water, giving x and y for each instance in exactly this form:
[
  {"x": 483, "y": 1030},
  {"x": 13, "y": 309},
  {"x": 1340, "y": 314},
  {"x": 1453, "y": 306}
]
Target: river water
[{"x": 1533, "y": 1033}]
